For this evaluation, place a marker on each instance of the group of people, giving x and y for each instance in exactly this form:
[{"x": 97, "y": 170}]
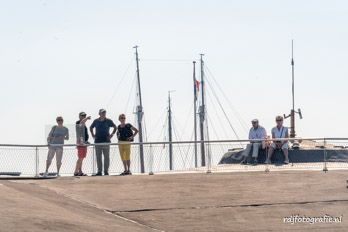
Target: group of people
[
  {"x": 100, "y": 131},
  {"x": 258, "y": 137}
]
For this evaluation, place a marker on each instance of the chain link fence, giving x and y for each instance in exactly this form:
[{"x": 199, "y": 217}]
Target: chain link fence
[{"x": 220, "y": 156}]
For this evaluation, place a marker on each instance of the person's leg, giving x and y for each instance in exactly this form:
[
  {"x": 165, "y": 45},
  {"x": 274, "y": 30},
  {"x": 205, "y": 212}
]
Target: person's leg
[
  {"x": 121, "y": 148},
  {"x": 106, "y": 152},
  {"x": 285, "y": 149},
  {"x": 77, "y": 166},
  {"x": 50, "y": 156},
  {"x": 246, "y": 153},
  {"x": 270, "y": 153},
  {"x": 127, "y": 154},
  {"x": 256, "y": 147},
  {"x": 98, "y": 154},
  {"x": 82, "y": 157},
  {"x": 59, "y": 156}
]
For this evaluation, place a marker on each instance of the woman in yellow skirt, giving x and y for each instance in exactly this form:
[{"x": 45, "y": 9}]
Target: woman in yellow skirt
[{"x": 125, "y": 134}]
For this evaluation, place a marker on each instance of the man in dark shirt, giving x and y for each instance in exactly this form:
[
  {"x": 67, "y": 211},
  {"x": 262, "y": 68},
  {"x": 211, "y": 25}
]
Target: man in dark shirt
[{"x": 102, "y": 135}]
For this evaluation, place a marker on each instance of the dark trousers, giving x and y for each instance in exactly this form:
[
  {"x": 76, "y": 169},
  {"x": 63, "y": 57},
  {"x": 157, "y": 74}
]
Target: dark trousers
[{"x": 101, "y": 150}]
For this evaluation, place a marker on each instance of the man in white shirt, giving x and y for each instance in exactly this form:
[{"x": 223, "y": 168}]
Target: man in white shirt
[
  {"x": 279, "y": 132},
  {"x": 256, "y": 132}
]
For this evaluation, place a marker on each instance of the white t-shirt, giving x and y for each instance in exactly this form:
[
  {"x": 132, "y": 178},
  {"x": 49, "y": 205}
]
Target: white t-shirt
[{"x": 279, "y": 132}]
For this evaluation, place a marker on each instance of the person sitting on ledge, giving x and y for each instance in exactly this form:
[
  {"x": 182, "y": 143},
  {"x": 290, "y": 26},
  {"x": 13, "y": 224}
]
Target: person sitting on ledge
[
  {"x": 279, "y": 132},
  {"x": 256, "y": 132}
]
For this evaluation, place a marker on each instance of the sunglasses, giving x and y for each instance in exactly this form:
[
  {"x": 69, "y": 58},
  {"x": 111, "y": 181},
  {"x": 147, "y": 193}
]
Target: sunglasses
[
  {"x": 122, "y": 118},
  {"x": 279, "y": 120},
  {"x": 60, "y": 120}
]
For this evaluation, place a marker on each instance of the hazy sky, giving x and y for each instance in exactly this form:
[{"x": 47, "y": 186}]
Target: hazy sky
[{"x": 61, "y": 57}]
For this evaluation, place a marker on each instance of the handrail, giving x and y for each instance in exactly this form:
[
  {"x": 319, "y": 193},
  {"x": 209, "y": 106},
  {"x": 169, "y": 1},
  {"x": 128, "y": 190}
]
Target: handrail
[{"x": 182, "y": 142}]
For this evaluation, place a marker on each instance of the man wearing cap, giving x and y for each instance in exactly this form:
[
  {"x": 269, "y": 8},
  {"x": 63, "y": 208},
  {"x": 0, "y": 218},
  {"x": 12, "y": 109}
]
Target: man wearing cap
[
  {"x": 102, "y": 135},
  {"x": 256, "y": 132}
]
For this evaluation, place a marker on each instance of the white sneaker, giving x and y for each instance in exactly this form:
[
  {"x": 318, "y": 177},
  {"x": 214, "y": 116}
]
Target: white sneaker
[{"x": 45, "y": 174}]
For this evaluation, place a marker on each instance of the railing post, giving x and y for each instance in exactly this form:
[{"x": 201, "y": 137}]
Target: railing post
[
  {"x": 208, "y": 158},
  {"x": 37, "y": 172},
  {"x": 93, "y": 160},
  {"x": 325, "y": 156},
  {"x": 151, "y": 161}
]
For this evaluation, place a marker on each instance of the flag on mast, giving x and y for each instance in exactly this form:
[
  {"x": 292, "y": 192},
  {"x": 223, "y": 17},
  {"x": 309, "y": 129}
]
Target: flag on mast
[{"x": 197, "y": 84}]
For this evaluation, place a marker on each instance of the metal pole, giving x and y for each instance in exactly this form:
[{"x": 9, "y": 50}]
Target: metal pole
[
  {"x": 325, "y": 155},
  {"x": 195, "y": 112},
  {"x": 93, "y": 161},
  {"x": 140, "y": 114},
  {"x": 202, "y": 113},
  {"x": 292, "y": 122},
  {"x": 151, "y": 161},
  {"x": 170, "y": 133},
  {"x": 37, "y": 172}
]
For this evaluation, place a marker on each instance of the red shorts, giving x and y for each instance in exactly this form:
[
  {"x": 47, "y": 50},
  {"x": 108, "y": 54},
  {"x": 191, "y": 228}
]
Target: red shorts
[{"x": 81, "y": 151}]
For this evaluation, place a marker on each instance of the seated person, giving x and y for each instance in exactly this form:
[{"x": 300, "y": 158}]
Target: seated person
[
  {"x": 279, "y": 132},
  {"x": 256, "y": 132}
]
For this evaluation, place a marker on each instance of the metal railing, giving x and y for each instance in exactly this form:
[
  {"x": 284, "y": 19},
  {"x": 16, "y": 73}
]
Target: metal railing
[{"x": 30, "y": 160}]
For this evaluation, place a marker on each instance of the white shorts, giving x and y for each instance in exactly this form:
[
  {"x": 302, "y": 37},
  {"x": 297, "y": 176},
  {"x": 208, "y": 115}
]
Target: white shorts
[
  {"x": 285, "y": 146},
  {"x": 58, "y": 151}
]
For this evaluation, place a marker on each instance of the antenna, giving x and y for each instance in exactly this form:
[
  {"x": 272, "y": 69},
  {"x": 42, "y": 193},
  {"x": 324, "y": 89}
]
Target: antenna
[{"x": 293, "y": 112}]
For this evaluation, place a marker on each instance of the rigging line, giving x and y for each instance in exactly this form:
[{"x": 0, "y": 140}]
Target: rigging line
[
  {"x": 240, "y": 119},
  {"x": 217, "y": 114},
  {"x": 130, "y": 93},
  {"x": 163, "y": 129},
  {"x": 216, "y": 134},
  {"x": 160, "y": 119},
  {"x": 167, "y": 60},
  {"x": 189, "y": 146},
  {"x": 238, "y": 116},
  {"x": 188, "y": 116},
  {"x": 145, "y": 128},
  {"x": 223, "y": 110},
  {"x": 120, "y": 82},
  {"x": 180, "y": 151}
]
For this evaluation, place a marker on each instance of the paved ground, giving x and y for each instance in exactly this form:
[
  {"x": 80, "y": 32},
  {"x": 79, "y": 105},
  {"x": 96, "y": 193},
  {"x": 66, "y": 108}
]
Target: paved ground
[{"x": 248, "y": 201}]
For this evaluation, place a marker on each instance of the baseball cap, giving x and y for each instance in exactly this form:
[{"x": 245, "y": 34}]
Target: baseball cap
[
  {"x": 102, "y": 111},
  {"x": 82, "y": 114},
  {"x": 255, "y": 120}
]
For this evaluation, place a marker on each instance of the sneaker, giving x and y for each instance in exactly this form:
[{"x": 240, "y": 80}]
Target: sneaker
[
  {"x": 244, "y": 162},
  {"x": 286, "y": 161},
  {"x": 123, "y": 173},
  {"x": 268, "y": 161},
  {"x": 106, "y": 173},
  {"x": 82, "y": 174},
  {"x": 254, "y": 162},
  {"x": 45, "y": 174},
  {"x": 76, "y": 174},
  {"x": 99, "y": 174},
  {"x": 128, "y": 172}
]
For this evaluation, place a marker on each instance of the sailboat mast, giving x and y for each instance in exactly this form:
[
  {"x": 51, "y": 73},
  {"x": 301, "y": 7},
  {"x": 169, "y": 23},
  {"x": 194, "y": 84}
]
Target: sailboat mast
[
  {"x": 195, "y": 112},
  {"x": 140, "y": 114},
  {"x": 202, "y": 113},
  {"x": 170, "y": 137}
]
